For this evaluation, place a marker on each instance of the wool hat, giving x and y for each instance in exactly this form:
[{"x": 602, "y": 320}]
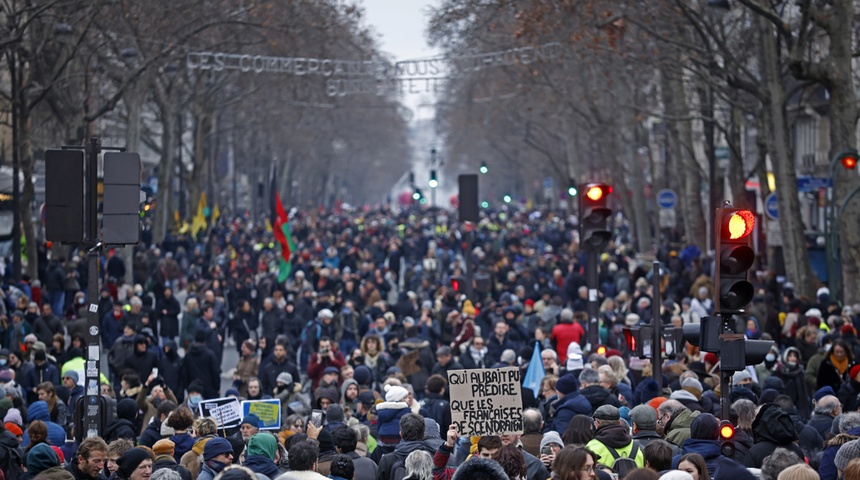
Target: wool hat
[
  {"x": 574, "y": 357},
  {"x": 40, "y": 356},
  {"x": 263, "y": 444},
  {"x": 40, "y": 458},
  {"x": 478, "y": 468},
  {"x": 644, "y": 417},
  {"x": 252, "y": 420},
  {"x": 631, "y": 320},
  {"x": 711, "y": 358},
  {"x": 823, "y": 392},
  {"x": 5, "y": 375},
  {"x": 551, "y": 437},
  {"x": 73, "y": 375},
  {"x": 813, "y": 313},
  {"x": 692, "y": 383},
  {"x": 15, "y": 429},
  {"x": 731, "y": 470},
  {"x": 393, "y": 393},
  {"x": 130, "y": 460},
  {"x": 285, "y": 378},
  {"x": 705, "y": 427},
  {"x": 469, "y": 309},
  {"x": 30, "y": 337},
  {"x": 331, "y": 370},
  {"x": 799, "y": 471},
  {"x": 164, "y": 446},
  {"x": 854, "y": 371},
  {"x": 567, "y": 384},
  {"x": 740, "y": 392},
  {"x": 196, "y": 385},
  {"x": 607, "y": 412},
  {"x": 847, "y": 452},
  {"x": 59, "y": 454},
  {"x": 362, "y": 375},
  {"x": 775, "y": 383},
  {"x": 13, "y": 416},
  {"x": 216, "y": 446},
  {"x": 334, "y": 413},
  {"x": 127, "y": 409},
  {"x": 768, "y": 395},
  {"x": 649, "y": 390},
  {"x": 740, "y": 376},
  {"x": 231, "y": 392},
  {"x": 676, "y": 475}
]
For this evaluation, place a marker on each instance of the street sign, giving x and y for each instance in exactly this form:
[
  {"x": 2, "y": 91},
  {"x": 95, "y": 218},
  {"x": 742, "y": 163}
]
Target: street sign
[
  {"x": 666, "y": 198},
  {"x": 667, "y": 218},
  {"x": 811, "y": 184},
  {"x": 771, "y": 208}
]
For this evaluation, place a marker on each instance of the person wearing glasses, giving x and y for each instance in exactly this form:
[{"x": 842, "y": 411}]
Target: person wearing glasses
[
  {"x": 675, "y": 420},
  {"x": 574, "y": 463},
  {"x": 475, "y": 355}
]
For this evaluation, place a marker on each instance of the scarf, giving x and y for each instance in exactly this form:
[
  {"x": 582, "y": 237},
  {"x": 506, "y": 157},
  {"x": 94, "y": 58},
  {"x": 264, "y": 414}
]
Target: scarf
[
  {"x": 840, "y": 366},
  {"x": 478, "y": 355}
]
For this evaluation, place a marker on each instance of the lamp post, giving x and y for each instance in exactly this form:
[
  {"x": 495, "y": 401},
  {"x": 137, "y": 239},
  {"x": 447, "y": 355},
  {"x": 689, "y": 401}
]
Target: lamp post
[{"x": 848, "y": 158}]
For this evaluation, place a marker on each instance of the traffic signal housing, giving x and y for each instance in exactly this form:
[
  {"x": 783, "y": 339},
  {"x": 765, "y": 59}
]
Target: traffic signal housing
[
  {"x": 734, "y": 259},
  {"x": 571, "y": 188},
  {"x": 484, "y": 168},
  {"x": 594, "y": 216},
  {"x": 727, "y": 434},
  {"x": 457, "y": 284}
]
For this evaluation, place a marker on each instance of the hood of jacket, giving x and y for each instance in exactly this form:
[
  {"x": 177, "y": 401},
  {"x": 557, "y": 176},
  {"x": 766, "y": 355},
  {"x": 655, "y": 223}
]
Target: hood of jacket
[
  {"x": 39, "y": 411},
  {"x": 708, "y": 449},
  {"x": 574, "y": 402},
  {"x": 403, "y": 449},
  {"x": 682, "y": 420},
  {"x": 117, "y": 425},
  {"x": 262, "y": 464},
  {"x": 615, "y": 436},
  {"x": 8, "y": 439},
  {"x": 200, "y": 443},
  {"x": 682, "y": 395},
  {"x": 172, "y": 354},
  {"x": 346, "y": 384},
  {"x": 773, "y": 424},
  {"x": 595, "y": 394},
  {"x": 196, "y": 350}
]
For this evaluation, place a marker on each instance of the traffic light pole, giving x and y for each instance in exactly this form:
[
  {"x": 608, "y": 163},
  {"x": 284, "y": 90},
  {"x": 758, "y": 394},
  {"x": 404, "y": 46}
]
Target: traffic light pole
[
  {"x": 591, "y": 279},
  {"x": 657, "y": 326},
  {"x": 92, "y": 407}
]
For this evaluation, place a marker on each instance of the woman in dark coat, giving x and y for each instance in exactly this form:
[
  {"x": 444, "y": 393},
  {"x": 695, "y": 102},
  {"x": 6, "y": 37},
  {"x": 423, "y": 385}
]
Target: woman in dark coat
[
  {"x": 835, "y": 367},
  {"x": 790, "y": 370}
]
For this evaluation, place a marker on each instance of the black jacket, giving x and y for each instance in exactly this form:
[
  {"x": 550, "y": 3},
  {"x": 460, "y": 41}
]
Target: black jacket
[
  {"x": 200, "y": 363},
  {"x": 168, "y": 462},
  {"x": 142, "y": 363},
  {"x": 79, "y": 475},
  {"x": 151, "y": 434},
  {"x": 772, "y": 428},
  {"x": 168, "y": 323},
  {"x": 270, "y": 370},
  {"x": 119, "y": 428},
  {"x": 169, "y": 368},
  {"x": 597, "y": 396}
]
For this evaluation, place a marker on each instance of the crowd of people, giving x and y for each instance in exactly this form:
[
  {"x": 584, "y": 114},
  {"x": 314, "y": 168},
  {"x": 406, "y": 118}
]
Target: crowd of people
[{"x": 358, "y": 341}]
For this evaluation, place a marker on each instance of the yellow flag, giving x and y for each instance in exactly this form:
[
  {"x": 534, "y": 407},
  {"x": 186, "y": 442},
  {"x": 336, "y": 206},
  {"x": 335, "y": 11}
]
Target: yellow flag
[
  {"x": 216, "y": 212},
  {"x": 199, "y": 221}
]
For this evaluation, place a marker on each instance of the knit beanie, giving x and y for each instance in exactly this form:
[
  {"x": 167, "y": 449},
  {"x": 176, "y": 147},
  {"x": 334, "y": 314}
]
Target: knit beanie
[
  {"x": 263, "y": 444},
  {"x": 216, "y": 446},
  {"x": 847, "y": 452},
  {"x": 14, "y": 416},
  {"x": 41, "y": 457},
  {"x": 394, "y": 393},
  {"x": 567, "y": 384},
  {"x": 693, "y": 386},
  {"x": 130, "y": 460},
  {"x": 705, "y": 427},
  {"x": 551, "y": 437},
  {"x": 800, "y": 471},
  {"x": 676, "y": 475}
]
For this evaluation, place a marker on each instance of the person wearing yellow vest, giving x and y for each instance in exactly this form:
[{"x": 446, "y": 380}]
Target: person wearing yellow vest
[{"x": 612, "y": 439}]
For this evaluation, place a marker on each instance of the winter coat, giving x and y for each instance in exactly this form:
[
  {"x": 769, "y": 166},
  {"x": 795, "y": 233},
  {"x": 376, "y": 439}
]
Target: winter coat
[
  {"x": 708, "y": 449},
  {"x": 192, "y": 459},
  {"x": 827, "y": 468},
  {"x": 39, "y": 411},
  {"x": 566, "y": 408},
  {"x": 597, "y": 396},
  {"x": 365, "y": 468},
  {"x": 389, "y": 415},
  {"x": 169, "y": 368},
  {"x": 617, "y": 437},
  {"x": 401, "y": 451},
  {"x": 438, "y": 408},
  {"x": 645, "y": 437},
  {"x": 273, "y": 324},
  {"x": 261, "y": 464},
  {"x": 183, "y": 444},
  {"x": 270, "y": 370},
  {"x": 848, "y": 394},
  {"x": 46, "y": 327},
  {"x": 822, "y": 423},
  {"x": 119, "y": 428},
  {"x": 828, "y": 375},
  {"x": 688, "y": 400},
  {"x": 678, "y": 428},
  {"x": 168, "y": 323},
  {"x": 151, "y": 434},
  {"x": 200, "y": 363},
  {"x": 772, "y": 428}
]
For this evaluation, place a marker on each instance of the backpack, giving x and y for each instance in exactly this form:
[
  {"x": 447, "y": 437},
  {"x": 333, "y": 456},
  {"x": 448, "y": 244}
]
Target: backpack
[
  {"x": 398, "y": 469},
  {"x": 11, "y": 462},
  {"x": 617, "y": 458},
  {"x": 310, "y": 336}
]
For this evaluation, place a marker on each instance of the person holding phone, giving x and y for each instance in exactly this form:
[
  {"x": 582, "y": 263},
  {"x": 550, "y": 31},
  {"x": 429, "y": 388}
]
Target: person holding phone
[{"x": 550, "y": 445}]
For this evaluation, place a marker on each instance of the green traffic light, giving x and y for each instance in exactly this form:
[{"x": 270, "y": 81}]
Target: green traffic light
[
  {"x": 572, "y": 191},
  {"x": 484, "y": 168},
  {"x": 416, "y": 196},
  {"x": 485, "y": 204},
  {"x": 507, "y": 198},
  {"x": 433, "y": 183}
]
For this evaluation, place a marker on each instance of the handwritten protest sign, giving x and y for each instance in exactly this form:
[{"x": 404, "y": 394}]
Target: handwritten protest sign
[
  {"x": 268, "y": 411},
  {"x": 486, "y": 401},
  {"x": 225, "y": 411}
]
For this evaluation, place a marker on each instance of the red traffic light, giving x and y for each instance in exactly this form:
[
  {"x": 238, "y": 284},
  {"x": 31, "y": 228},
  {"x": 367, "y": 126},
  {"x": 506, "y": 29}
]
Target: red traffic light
[
  {"x": 849, "y": 162},
  {"x": 739, "y": 224},
  {"x": 455, "y": 284},
  {"x": 727, "y": 430},
  {"x": 601, "y": 350},
  {"x": 594, "y": 193}
]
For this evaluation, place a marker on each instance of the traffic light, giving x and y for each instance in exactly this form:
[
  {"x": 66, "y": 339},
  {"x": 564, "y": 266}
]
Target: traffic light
[
  {"x": 507, "y": 198},
  {"x": 633, "y": 339},
  {"x": 848, "y": 158},
  {"x": 727, "y": 434},
  {"x": 594, "y": 216},
  {"x": 734, "y": 259},
  {"x": 571, "y": 188},
  {"x": 457, "y": 283},
  {"x": 434, "y": 182},
  {"x": 484, "y": 168},
  {"x": 416, "y": 194}
]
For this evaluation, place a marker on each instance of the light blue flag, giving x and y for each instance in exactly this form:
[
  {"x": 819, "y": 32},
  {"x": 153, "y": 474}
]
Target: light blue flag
[{"x": 535, "y": 372}]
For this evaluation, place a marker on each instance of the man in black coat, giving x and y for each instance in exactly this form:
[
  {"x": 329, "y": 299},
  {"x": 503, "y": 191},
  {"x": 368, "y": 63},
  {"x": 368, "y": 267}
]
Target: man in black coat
[
  {"x": 272, "y": 321},
  {"x": 589, "y": 387},
  {"x": 141, "y": 361},
  {"x": 168, "y": 315},
  {"x": 200, "y": 363},
  {"x": 278, "y": 363},
  {"x": 772, "y": 428}
]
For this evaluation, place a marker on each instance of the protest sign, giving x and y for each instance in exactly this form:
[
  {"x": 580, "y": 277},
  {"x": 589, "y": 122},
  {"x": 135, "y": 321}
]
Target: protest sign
[
  {"x": 225, "y": 411},
  {"x": 486, "y": 401},
  {"x": 268, "y": 411}
]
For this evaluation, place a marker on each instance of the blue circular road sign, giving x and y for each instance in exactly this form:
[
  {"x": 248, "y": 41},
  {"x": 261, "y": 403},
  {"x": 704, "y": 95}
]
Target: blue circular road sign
[
  {"x": 771, "y": 207},
  {"x": 666, "y": 198}
]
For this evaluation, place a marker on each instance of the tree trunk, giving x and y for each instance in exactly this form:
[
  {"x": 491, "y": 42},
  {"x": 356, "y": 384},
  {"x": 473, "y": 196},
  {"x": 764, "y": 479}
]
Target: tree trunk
[
  {"x": 798, "y": 269},
  {"x": 164, "y": 198},
  {"x": 28, "y": 193},
  {"x": 679, "y": 132}
]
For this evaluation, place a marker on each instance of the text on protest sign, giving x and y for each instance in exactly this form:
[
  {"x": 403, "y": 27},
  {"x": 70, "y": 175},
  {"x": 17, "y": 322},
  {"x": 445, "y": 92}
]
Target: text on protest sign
[
  {"x": 225, "y": 411},
  {"x": 486, "y": 401},
  {"x": 268, "y": 411}
]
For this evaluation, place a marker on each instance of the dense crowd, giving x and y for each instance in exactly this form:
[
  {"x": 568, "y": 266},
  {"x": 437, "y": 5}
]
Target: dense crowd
[{"x": 358, "y": 341}]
